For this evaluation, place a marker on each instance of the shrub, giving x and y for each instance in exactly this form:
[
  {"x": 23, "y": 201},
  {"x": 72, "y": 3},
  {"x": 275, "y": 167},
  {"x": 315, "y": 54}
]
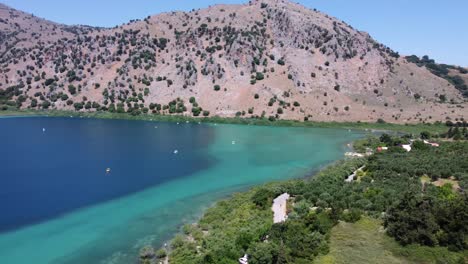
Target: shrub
[
  {"x": 78, "y": 106},
  {"x": 352, "y": 216},
  {"x": 45, "y": 104},
  {"x": 259, "y": 76},
  {"x": 263, "y": 197},
  {"x": 49, "y": 82},
  {"x": 72, "y": 89},
  {"x": 380, "y": 121},
  {"x": 217, "y": 87},
  {"x": 161, "y": 253},
  {"x": 443, "y": 98}
]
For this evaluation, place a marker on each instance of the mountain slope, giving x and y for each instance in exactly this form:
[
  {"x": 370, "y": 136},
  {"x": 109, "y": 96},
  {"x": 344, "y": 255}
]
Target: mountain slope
[{"x": 265, "y": 58}]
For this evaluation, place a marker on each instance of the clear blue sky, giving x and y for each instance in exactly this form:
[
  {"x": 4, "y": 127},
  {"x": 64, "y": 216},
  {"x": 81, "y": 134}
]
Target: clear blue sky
[{"x": 433, "y": 27}]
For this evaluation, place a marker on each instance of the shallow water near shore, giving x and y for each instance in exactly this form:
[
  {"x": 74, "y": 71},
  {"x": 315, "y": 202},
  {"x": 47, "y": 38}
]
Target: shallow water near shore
[{"x": 59, "y": 205}]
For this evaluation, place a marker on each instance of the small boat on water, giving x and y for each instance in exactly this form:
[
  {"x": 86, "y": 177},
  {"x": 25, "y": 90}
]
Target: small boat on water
[
  {"x": 108, "y": 170},
  {"x": 43, "y": 129},
  {"x": 176, "y": 151}
]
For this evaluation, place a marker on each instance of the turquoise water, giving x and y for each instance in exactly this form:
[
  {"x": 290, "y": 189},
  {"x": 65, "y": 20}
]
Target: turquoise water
[{"x": 113, "y": 230}]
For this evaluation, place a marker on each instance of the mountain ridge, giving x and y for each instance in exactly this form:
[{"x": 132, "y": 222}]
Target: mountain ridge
[{"x": 272, "y": 58}]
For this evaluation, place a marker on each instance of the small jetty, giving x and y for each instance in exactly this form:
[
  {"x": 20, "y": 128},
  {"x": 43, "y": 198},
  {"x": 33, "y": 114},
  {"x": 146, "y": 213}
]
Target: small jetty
[{"x": 279, "y": 208}]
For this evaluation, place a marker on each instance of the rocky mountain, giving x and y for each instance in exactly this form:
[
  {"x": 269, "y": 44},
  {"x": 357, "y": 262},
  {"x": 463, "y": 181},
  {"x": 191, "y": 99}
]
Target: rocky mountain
[{"x": 270, "y": 58}]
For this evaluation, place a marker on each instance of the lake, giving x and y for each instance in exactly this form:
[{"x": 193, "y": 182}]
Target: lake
[{"x": 59, "y": 204}]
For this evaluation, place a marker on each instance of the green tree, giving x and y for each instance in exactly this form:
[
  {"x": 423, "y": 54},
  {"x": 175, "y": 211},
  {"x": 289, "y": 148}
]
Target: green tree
[
  {"x": 411, "y": 220},
  {"x": 72, "y": 89}
]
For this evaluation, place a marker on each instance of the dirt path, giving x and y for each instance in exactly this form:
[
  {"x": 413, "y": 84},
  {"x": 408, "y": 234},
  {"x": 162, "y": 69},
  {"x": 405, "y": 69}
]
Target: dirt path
[{"x": 279, "y": 208}]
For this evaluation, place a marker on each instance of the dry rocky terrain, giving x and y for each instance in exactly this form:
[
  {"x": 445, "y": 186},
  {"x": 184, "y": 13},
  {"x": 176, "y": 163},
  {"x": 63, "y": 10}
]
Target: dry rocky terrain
[{"x": 270, "y": 58}]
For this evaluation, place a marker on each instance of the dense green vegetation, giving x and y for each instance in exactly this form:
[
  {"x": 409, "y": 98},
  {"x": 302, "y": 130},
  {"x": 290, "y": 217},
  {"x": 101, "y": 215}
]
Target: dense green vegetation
[{"x": 390, "y": 189}]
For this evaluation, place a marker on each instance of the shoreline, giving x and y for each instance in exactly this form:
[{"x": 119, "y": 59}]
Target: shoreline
[{"x": 373, "y": 127}]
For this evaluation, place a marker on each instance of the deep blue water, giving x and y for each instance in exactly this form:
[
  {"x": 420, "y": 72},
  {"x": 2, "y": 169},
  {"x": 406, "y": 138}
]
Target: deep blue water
[
  {"x": 46, "y": 174},
  {"x": 58, "y": 205}
]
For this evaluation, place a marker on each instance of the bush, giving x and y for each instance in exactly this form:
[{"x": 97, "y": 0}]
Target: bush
[
  {"x": 161, "y": 253},
  {"x": 351, "y": 216},
  {"x": 72, "y": 89},
  {"x": 45, "y": 104},
  {"x": 49, "y": 82},
  {"x": 443, "y": 98},
  {"x": 259, "y": 76},
  {"x": 146, "y": 253},
  {"x": 78, "y": 106},
  {"x": 380, "y": 121},
  {"x": 263, "y": 197},
  {"x": 217, "y": 87}
]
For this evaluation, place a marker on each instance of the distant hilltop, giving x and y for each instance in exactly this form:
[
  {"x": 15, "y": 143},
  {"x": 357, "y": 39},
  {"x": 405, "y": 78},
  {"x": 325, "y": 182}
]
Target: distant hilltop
[{"x": 272, "y": 58}]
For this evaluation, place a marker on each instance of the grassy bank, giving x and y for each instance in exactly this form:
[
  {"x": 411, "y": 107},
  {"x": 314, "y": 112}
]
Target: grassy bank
[
  {"x": 404, "y": 128},
  {"x": 365, "y": 242}
]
